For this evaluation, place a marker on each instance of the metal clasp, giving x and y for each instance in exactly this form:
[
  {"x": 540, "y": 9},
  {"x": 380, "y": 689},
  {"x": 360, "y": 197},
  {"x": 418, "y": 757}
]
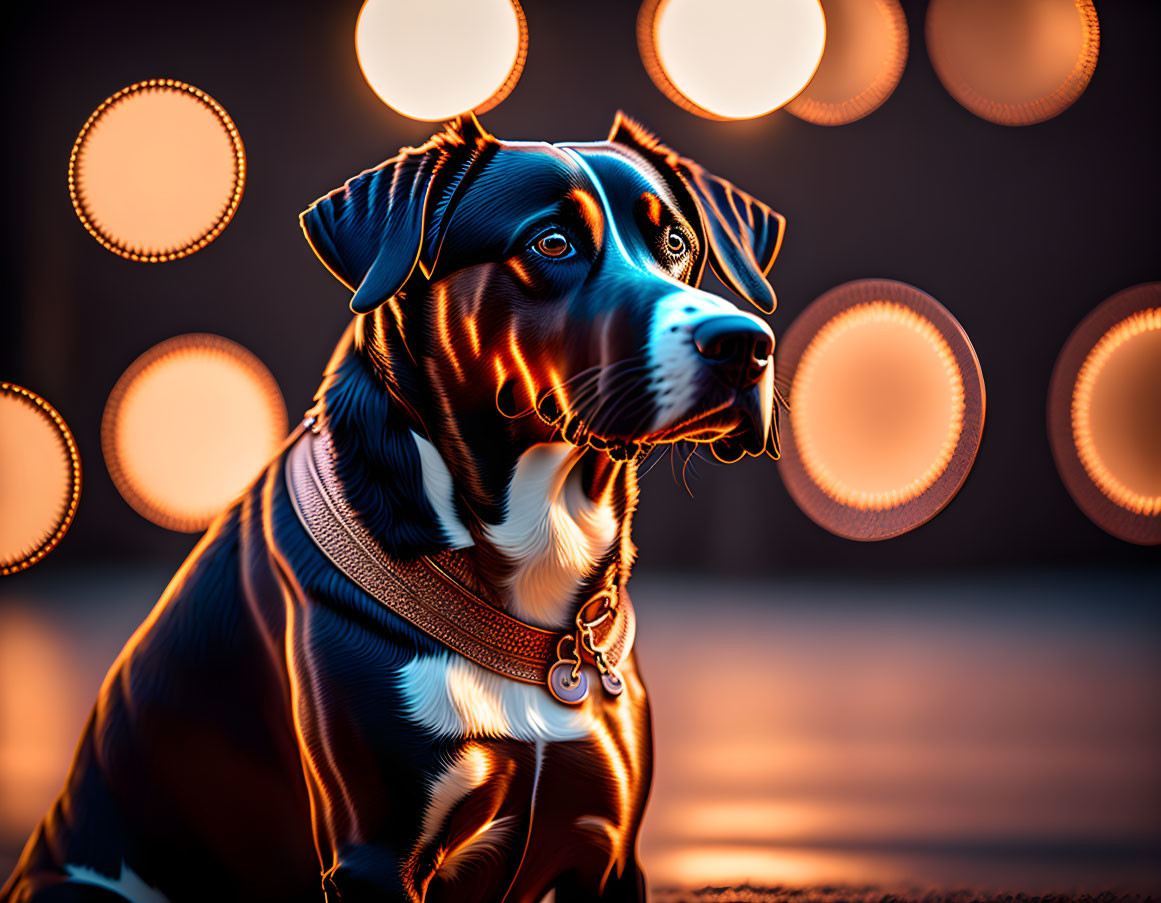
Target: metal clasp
[
  {"x": 587, "y": 643},
  {"x": 566, "y": 681}
]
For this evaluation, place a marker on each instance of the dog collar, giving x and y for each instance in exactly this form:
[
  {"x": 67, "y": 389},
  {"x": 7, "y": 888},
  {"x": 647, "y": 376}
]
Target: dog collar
[{"x": 424, "y": 592}]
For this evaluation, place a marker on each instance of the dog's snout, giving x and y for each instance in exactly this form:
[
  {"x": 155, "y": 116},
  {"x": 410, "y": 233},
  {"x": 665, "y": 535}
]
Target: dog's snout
[{"x": 737, "y": 347}]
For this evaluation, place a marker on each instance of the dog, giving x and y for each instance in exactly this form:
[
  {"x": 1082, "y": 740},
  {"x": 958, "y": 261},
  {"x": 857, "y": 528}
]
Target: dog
[{"x": 341, "y": 695}]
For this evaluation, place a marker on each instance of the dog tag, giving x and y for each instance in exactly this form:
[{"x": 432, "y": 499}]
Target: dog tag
[{"x": 564, "y": 686}]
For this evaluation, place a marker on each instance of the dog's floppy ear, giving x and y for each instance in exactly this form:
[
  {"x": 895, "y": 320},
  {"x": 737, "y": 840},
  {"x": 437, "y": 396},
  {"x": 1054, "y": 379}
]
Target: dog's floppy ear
[
  {"x": 743, "y": 234},
  {"x": 371, "y": 232}
]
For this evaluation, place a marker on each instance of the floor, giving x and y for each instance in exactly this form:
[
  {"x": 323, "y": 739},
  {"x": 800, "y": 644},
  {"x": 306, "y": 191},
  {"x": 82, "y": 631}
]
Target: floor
[{"x": 1000, "y": 732}]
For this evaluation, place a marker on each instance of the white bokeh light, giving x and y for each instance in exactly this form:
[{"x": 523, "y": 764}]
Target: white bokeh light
[
  {"x": 732, "y": 59},
  {"x": 439, "y": 58}
]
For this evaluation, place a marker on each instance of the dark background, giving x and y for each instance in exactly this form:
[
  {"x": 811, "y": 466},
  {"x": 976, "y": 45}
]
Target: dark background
[{"x": 1020, "y": 232}]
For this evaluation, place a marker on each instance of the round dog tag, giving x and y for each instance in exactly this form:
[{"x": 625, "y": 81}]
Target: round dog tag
[
  {"x": 564, "y": 686},
  {"x": 612, "y": 683}
]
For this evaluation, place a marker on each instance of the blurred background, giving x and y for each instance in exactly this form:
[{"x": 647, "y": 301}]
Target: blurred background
[{"x": 976, "y": 702}]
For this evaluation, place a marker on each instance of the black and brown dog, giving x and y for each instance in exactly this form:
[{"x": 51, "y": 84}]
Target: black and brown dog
[{"x": 528, "y": 328}]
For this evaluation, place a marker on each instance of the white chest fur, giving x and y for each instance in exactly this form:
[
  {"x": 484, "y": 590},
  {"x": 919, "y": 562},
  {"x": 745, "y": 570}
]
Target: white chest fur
[
  {"x": 453, "y": 697},
  {"x": 553, "y": 532}
]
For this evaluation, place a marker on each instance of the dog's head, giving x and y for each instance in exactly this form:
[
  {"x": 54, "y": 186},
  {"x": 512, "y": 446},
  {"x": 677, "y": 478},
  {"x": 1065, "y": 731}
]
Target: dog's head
[{"x": 560, "y": 281}]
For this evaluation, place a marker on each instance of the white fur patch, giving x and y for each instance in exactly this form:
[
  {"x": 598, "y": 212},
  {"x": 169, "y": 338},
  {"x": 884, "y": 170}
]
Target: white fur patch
[
  {"x": 453, "y": 697},
  {"x": 466, "y": 773},
  {"x": 553, "y": 533},
  {"x": 438, "y": 487},
  {"x": 489, "y": 840},
  {"x": 673, "y": 358},
  {"x": 598, "y": 824},
  {"x": 128, "y": 884}
]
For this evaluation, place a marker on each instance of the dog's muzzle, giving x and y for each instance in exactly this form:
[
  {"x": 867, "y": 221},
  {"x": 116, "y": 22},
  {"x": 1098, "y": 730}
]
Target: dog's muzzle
[{"x": 737, "y": 348}]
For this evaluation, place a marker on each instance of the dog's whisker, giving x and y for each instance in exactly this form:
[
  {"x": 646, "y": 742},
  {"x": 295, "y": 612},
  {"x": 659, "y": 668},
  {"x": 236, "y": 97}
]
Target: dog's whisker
[
  {"x": 587, "y": 376},
  {"x": 781, "y": 399},
  {"x": 656, "y": 459},
  {"x": 684, "y": 467},
  {"x": 583, "y": 375},
  {"x": 620, "y": 406},
  {"x": 599, "y": 411},
  {"x": 591, "y": 387},
  {"x": 641, "y": 421},
  {"x": 699, "y": 452},
  {"x": 588, "y": 384},
  {"x": 601, "y": 369},
  {"x": 612, "y": 415},
  {"x": 611, "y": 390}
]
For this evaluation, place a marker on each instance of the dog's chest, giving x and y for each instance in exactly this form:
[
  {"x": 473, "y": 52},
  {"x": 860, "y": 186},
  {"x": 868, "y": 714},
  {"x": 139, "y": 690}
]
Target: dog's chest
[
  {"x": 453, "y": 698},
  {"x": 579, "y": 773},
  {"x": 553, "y": 534}
]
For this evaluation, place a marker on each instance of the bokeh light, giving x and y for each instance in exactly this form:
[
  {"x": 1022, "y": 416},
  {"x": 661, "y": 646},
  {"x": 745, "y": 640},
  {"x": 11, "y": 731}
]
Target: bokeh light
[
  {"x": 1105, "y": 415},
  {"x": 731, "y": 59},
  {"x": 157, "y": 171},
  {"x": 1116, "y": 413},
  {"x": 188, "y": 426},
  {"x": 877, "y": 442},
  {"x": 886, "y": 408},
  {"x": 439, "y": 58},
  {"x": 1014, "y": 62},
  {"x": 866, "y": 52},
  {"x": 40, "y": 478}
]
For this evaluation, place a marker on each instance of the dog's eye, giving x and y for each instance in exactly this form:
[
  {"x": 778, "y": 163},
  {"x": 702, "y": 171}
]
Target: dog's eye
[
  {"x": 553, "y": 244},
  {"x": 676, "y": 243}
]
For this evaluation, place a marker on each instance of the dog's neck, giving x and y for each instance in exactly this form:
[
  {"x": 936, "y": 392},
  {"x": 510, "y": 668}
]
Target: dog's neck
[
  {"x": 557, "y": 541},
  {"x": 545, "y": 526}
]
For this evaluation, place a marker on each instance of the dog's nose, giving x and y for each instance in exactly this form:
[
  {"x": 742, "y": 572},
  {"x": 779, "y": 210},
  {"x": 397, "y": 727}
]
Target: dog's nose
[{"x": 737, "y": 348}]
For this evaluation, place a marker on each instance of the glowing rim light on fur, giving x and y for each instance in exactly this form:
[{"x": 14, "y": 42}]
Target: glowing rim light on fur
[
  {"x": 11, "y": 560},
  {"x": 813, "y": 357},
  {"x": 384, "y": 29},
  {"x": 1090, "y": 371},
  {"x": 862, "y": 98},
  {"x": 687, "y": 60},
  {"x": 956, "y": 67},
  {"x": 134, "y": 469},
  {"x": 916, "y": 479},
  {"x": 92, "y": 220}
]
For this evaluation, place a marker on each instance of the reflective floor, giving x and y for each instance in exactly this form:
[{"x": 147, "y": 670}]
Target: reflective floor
[{"x": 998, "y": 732}]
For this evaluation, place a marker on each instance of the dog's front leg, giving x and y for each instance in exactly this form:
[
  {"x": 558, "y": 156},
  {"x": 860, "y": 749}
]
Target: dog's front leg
[
  {"x": 628, "y": 886},
  {"x": 354, "y": 867},
  {"x": 360, "y": 756},
  {"x": 365, "y": 873}
]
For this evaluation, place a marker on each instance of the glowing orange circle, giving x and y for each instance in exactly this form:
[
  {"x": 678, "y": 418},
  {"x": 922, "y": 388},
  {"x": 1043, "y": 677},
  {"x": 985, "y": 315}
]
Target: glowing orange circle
[
  {"x": 731, "y": 59},
  {"x": 157, "y": 171},
  {"x": 864, "y": 58},
  {"x": 886, "y": 409},
  {"x": 1104, "y": 415},
  {"x": 1120, "y": 444},
  {"x": 188, "y": 426},
  {"x": 1014, "y": 62},
  {"x": 40, "y": 478},
  {"x": 482, "y": 48},
  {"x": 876, "y": 406}
]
